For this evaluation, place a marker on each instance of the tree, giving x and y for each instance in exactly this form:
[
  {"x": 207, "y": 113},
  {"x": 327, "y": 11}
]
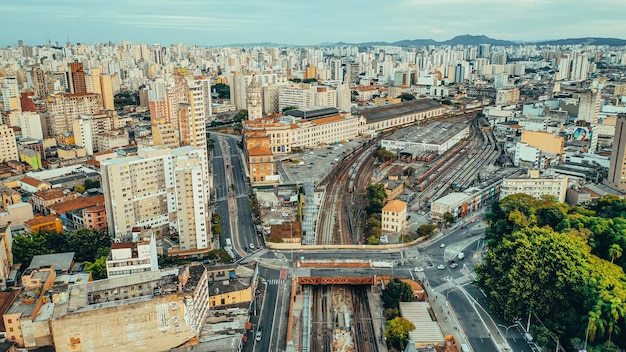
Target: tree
[
  {"x": 89, "y": 184},
  {"x": 241, "y": 115},
  {"x": 397, "y": 332},
  {"x": 220, "y": 255},
  {"x": 216, "y": 229},
  {"x": 309, "y": 80},
  {"x": 287, "y": 108},
  {"x": 86, "y": 243},
  {"x": 383, "y": 155},
  {"x": 395, "y": 292},
  {"x": 373, "y": 240},
  {"x": 354, "y": 95},
  {"x": 615, "y": 251},
  {"x": 222, "y": 90},
  {"x": 98, "y": 268},
  {"x": 79, "y": 189},
  {"x": 216, "y": 218},
  {"x": 448, "y": 218},
  {"x": 426, "y": 230},
  {"x": 406, "y": 96},
  {"x": 409, "y": 171},
  {"x": 375, "y": 198}
]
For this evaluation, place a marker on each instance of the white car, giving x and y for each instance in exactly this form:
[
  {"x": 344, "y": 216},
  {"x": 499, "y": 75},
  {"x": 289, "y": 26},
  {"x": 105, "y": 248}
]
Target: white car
[
  {"x": 441, "y": 266},
  {"x": 251, "y": 246},
  {"x": 259, "y": 335},
  {"x": 454, "y": 265},
  {"x": 442, "y": 245},
  {"x": 418, "y": 269}
]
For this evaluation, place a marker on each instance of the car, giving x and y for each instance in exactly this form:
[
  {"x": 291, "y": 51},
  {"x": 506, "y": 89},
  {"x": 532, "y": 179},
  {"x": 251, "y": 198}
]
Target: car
[
  {"x": 443, "y": 245},
  {"x": 453, "y": 265},
  {"x": 418, "y": 269},
  {"x": 251, "y": 246},
  {"x": 441, "y": 266},
  {"x": 259, "y": 334}
]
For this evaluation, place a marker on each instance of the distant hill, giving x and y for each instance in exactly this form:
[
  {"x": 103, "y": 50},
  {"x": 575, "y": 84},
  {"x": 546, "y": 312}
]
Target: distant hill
[
  {"x": 482, "y": 39},
  {"x": 458, "y": 40},
  {"x": 588, "y": 40}
]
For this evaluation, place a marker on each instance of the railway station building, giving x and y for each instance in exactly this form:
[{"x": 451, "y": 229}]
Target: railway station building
[{"x": 403, "y": 114}]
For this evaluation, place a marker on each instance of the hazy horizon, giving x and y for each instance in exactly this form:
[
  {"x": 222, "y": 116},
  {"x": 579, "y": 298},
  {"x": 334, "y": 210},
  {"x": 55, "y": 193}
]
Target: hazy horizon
[{"x": 220, "y": 22}]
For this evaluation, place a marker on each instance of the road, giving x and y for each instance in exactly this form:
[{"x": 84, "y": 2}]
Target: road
[{"x": 232, "y": 203}]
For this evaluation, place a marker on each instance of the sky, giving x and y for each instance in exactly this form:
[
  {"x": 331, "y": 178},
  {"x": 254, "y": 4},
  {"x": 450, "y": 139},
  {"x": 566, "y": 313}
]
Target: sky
[{"x": 303, "y": 22}]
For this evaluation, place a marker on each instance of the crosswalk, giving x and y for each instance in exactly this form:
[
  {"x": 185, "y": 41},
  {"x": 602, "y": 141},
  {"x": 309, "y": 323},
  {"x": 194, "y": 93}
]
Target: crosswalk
[
  {"x": 450, "y": 284},
  {"x": 276, "y": 282}
]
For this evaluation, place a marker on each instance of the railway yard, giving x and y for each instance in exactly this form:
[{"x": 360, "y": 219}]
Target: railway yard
[
  {"x": 341, "y": 319},
  {"x": 344, "y": 188},
  {"x": 340, "y": 315}
]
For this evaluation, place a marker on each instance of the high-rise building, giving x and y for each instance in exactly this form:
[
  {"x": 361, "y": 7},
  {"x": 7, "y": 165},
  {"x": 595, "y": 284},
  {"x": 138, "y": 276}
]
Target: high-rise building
[
  {"x": 163, "y": 189},
  {"x": 8, "y": 145},
  {"x": 616, "y": 178},
  {"x": 78, "y": 78},
  {"x": 255, "y": 103},
  {"x": 589, "y": 106},
  {"x": 40, "y": 86},
  {"x": 106, "y": 89},
  {"x": 64, "y": 108},
  {"x": 10, "y": 93}
]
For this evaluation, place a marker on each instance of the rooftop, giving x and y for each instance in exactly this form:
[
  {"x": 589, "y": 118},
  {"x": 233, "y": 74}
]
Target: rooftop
[
  {"x": 395, "y": 206},
  {"x": 426, "y": 329},
  {"x": 41, "y": 220},
  {"x": 78, "y": 203},
  {"x": 387, "y": 112},
  {"x": 59, "y": 261}
]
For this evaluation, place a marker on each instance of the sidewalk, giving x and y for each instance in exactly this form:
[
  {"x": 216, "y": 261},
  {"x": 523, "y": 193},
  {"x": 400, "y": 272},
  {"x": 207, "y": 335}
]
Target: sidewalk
[{"x": 445, "y": 315}]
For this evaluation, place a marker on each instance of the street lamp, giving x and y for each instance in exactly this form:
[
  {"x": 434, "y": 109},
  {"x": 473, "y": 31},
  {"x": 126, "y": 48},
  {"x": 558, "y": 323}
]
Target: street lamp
[{"x": 507, "y": 329}]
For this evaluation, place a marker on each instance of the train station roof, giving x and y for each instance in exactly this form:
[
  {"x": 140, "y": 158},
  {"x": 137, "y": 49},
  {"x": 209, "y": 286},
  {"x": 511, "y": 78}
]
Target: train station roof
[{"x": 427, "y": 331}]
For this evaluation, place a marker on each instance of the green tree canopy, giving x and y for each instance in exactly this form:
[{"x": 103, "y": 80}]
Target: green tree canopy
[
  {"x": 287, "y": 108},
  {"x": 97, "y": 268},
  {"x": 86, "y": 243},
  {"x": 222, "y": 90},
  {"x": 375, "y": 198},
  {"x": 557, "y": 261},
  {"x": 406, "y": 96},
  {"x": 395, "y": 292},
  {"x": 241, "y": 115},
  {"x": 397, "y": 332}
]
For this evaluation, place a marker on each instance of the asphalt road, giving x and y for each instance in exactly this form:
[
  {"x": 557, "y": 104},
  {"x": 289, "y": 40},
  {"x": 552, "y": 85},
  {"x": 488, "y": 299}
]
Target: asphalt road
[{"x": 221, "y": 190}]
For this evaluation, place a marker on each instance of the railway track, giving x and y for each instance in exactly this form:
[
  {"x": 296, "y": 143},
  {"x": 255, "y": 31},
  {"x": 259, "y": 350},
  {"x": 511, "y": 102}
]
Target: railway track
[
  {"x": 321, "y": 333},
  {"x": 362, "y": 325}
]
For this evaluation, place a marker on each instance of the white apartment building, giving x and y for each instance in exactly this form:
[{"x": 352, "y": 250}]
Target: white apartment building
[
  {"x": 132, "y": 257},
  {"x": 30, "y": 123},
  {"x": 394, "y": 216},
  {"x": 86, "y": 127},
  {"x": 8, "y": 145},
  {"x": 159, "y": 188},
  {"x": 534, "y": 185},
  {"x": 301, "y": 98}
]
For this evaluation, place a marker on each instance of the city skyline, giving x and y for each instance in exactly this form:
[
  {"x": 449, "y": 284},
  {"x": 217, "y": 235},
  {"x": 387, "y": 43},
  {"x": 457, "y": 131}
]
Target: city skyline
[{"x": 218, "y": 22}]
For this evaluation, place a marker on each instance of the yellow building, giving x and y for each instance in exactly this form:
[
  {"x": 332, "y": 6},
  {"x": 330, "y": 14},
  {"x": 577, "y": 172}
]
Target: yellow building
[
  {"x": 394, "y": 216},
  {"x": 544, "y": 141},
  {"x": 230, "y": 284},
  {"x": 66, "y": 138},
  {"x": 48, "y": 222},
  {"x": 31, "y": 157},
  {"x": 378, "y": 101}
]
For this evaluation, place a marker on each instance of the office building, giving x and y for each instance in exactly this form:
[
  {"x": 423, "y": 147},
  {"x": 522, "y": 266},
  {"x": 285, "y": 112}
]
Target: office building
[
  {"x": 534, "y": 185},
  {"x": 589, "y": 106}
]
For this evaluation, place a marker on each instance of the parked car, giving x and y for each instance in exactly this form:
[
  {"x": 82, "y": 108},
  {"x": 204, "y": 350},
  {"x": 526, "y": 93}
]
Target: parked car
[
  {"x": 441, "y": 266},
  {"x": 453, "y": 265},
  {"x": 251, "y": 246},
  {"x": 418, "y": 269}
]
